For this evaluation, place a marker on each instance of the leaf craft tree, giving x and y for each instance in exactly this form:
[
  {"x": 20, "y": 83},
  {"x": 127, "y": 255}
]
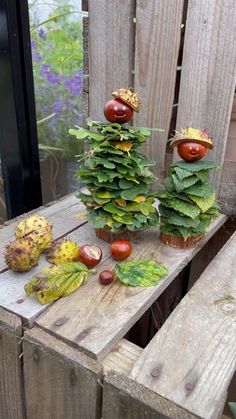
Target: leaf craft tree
[
  {"x": 188, "y": 203},
  {"x": 117, "y": 175}
]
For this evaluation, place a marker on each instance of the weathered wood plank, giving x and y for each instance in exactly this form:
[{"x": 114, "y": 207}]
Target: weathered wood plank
[
  {"x": 60, "y": 381},
  {"x": 192, "y": 359},
  {"x": 111, "y": 46},
  {"x": 208, "y": 252},
  {"x": 12, "y": 295},
  {"x": 91, "y": 312},
  {"x": 206, "y": 91},
  {"x": 158, "y": 30},
  {"x": 64, "y": 215},
  {"x": 11, "y": 376},
  {"x": 122, "y": 357},
  {"x": 125, "y": 399}
]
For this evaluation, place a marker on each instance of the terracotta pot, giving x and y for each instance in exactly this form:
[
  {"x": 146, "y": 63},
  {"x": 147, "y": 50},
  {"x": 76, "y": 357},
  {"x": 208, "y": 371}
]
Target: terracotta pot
[
  {"x": 180, "y": 242},
  {"x": 109, "y": 237}
]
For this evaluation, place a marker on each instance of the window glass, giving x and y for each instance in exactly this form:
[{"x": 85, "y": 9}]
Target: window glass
[{"x": 57, "y": 54}]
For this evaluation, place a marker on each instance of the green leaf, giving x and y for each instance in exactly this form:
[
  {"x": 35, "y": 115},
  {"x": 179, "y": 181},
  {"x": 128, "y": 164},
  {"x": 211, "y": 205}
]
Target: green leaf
[
  {"x": 56, "y": 281},
  {"x": 195, "y": 166},
  {"x": 185, "y": 208},
  {"x": 113, "y": 209},
  {"x": 180, "y": 185},
  {"x": 124, "y": 219},
  {"x": 140, "y": 273},
  {"x": 203, "y": 203},
  {"x": 145, "y": 131},
  {"x": 177, "y": 219},
  {"x": 169, "y": 184},
  {"x": 130, "y": 194},
  {"x": 82, "y": 133},
  {"x": 181, "y": 173},
  {"x": 132, "y": 207},
  {"x": 105, "y": 194},
  {"x": 125, "y": 184},
  {"x": 101, "y": 201},
  {"x": 203, "y": 175},
  {"x": 132, "y": 179},
  {"x": 104, "y": 162},
  {"x": 204, "y": 191}
]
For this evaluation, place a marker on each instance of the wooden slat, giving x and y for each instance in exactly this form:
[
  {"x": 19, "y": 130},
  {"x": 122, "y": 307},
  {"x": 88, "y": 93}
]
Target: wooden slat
[
  {"x": 60, "y": 382},
  {"x": 192, "y": 359},
  {"x": 208, "y": 74},
  {"x": 11, "y": 377},
  {"x": 95, "y": 317},
  {"x": 111, "y": 49},
  {"x": 12, "y": 295},
  {"x": 65, "y": 216},
  {"x": 122, "y": 357},
  {"x": 126, "y": 399},
  {"x": 158, "y": 28}
]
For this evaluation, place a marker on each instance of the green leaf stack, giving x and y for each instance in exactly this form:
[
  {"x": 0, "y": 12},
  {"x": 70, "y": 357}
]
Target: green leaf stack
[
  {"x": 117, "y": 176},
  {"x": 188, "y": 204}
]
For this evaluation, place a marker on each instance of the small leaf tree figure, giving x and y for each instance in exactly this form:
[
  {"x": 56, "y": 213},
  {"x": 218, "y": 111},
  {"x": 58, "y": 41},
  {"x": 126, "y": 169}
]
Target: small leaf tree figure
[{"x": 118, "y": 177}]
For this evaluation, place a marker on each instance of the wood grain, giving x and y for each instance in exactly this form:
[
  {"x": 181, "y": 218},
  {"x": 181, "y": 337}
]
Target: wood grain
[
  {"x": 12, "y": 294},
  {"x": 60, "y": 382},
  {"x": 122, "y": 357},
  {"x": 208, "y": 74},
  {"x": 92, "y": 311},
  {"x": 192, "y": 359},
  {"x": 63, "y": 215},
  {"x": 158, "y": 29},
  {"x": 125, "y": 399},
  {"x": 12, "y": 404},
  {"x": 111, "y": 46}
]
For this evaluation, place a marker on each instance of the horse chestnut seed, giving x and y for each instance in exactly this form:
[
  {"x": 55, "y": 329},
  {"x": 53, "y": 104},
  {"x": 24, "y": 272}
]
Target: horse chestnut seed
[
  {"x": 120, "y": 249},
  {"x": 117, "y": 111},
  {"x": 106, "y": 277}
]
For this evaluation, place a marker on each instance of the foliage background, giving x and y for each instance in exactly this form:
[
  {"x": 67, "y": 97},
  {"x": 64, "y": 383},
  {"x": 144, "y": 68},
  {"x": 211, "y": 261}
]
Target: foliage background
[{"x": 57, "y": 53}]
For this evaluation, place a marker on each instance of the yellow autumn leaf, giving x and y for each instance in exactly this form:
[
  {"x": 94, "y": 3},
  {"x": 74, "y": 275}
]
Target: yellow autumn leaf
[
  {"x": 139, "y": 198},
  {"x": 124, "y": 146},
  {"x": 81, "y": 215}
]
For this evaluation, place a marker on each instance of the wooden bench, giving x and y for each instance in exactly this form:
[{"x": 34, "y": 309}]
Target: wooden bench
[
  {"x": 57, "y": 369},
  {"x": 186, "y": 369}
]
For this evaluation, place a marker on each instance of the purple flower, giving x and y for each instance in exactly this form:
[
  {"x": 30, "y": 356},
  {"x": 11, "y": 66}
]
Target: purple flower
[
  {"x": 36, "y": 58},
  {"x": 45, "y": 68},
  {"x": 58, "y": 106},
  {"x": 42, "y": 33},
  {"x": 52, "y": 78},
  {"x": 75, "y": 84},
  {"x": 33, "y": 44}
]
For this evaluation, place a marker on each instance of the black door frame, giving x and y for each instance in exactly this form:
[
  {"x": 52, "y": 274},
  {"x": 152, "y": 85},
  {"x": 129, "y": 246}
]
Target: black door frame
[{"x": 18, "y": 129}]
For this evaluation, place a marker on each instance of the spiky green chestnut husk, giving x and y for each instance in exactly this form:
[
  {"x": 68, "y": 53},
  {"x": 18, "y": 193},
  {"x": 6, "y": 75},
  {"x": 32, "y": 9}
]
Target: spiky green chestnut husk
[
  {"x": 30, "y": 224},
  {"x": 38, "y": 229},
  {"x": 62, "y": 251},
  {"x": 42, "y": 238},
  {"x": 21, "y": 255}
]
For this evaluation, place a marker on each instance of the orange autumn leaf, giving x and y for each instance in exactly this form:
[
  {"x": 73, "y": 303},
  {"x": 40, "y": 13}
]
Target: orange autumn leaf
[{"x": 124, "y": 146}]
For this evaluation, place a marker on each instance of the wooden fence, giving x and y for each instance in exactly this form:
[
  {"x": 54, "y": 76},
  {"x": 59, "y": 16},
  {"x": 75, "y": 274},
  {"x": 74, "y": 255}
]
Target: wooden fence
[{"x": 151, "y": 45}]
